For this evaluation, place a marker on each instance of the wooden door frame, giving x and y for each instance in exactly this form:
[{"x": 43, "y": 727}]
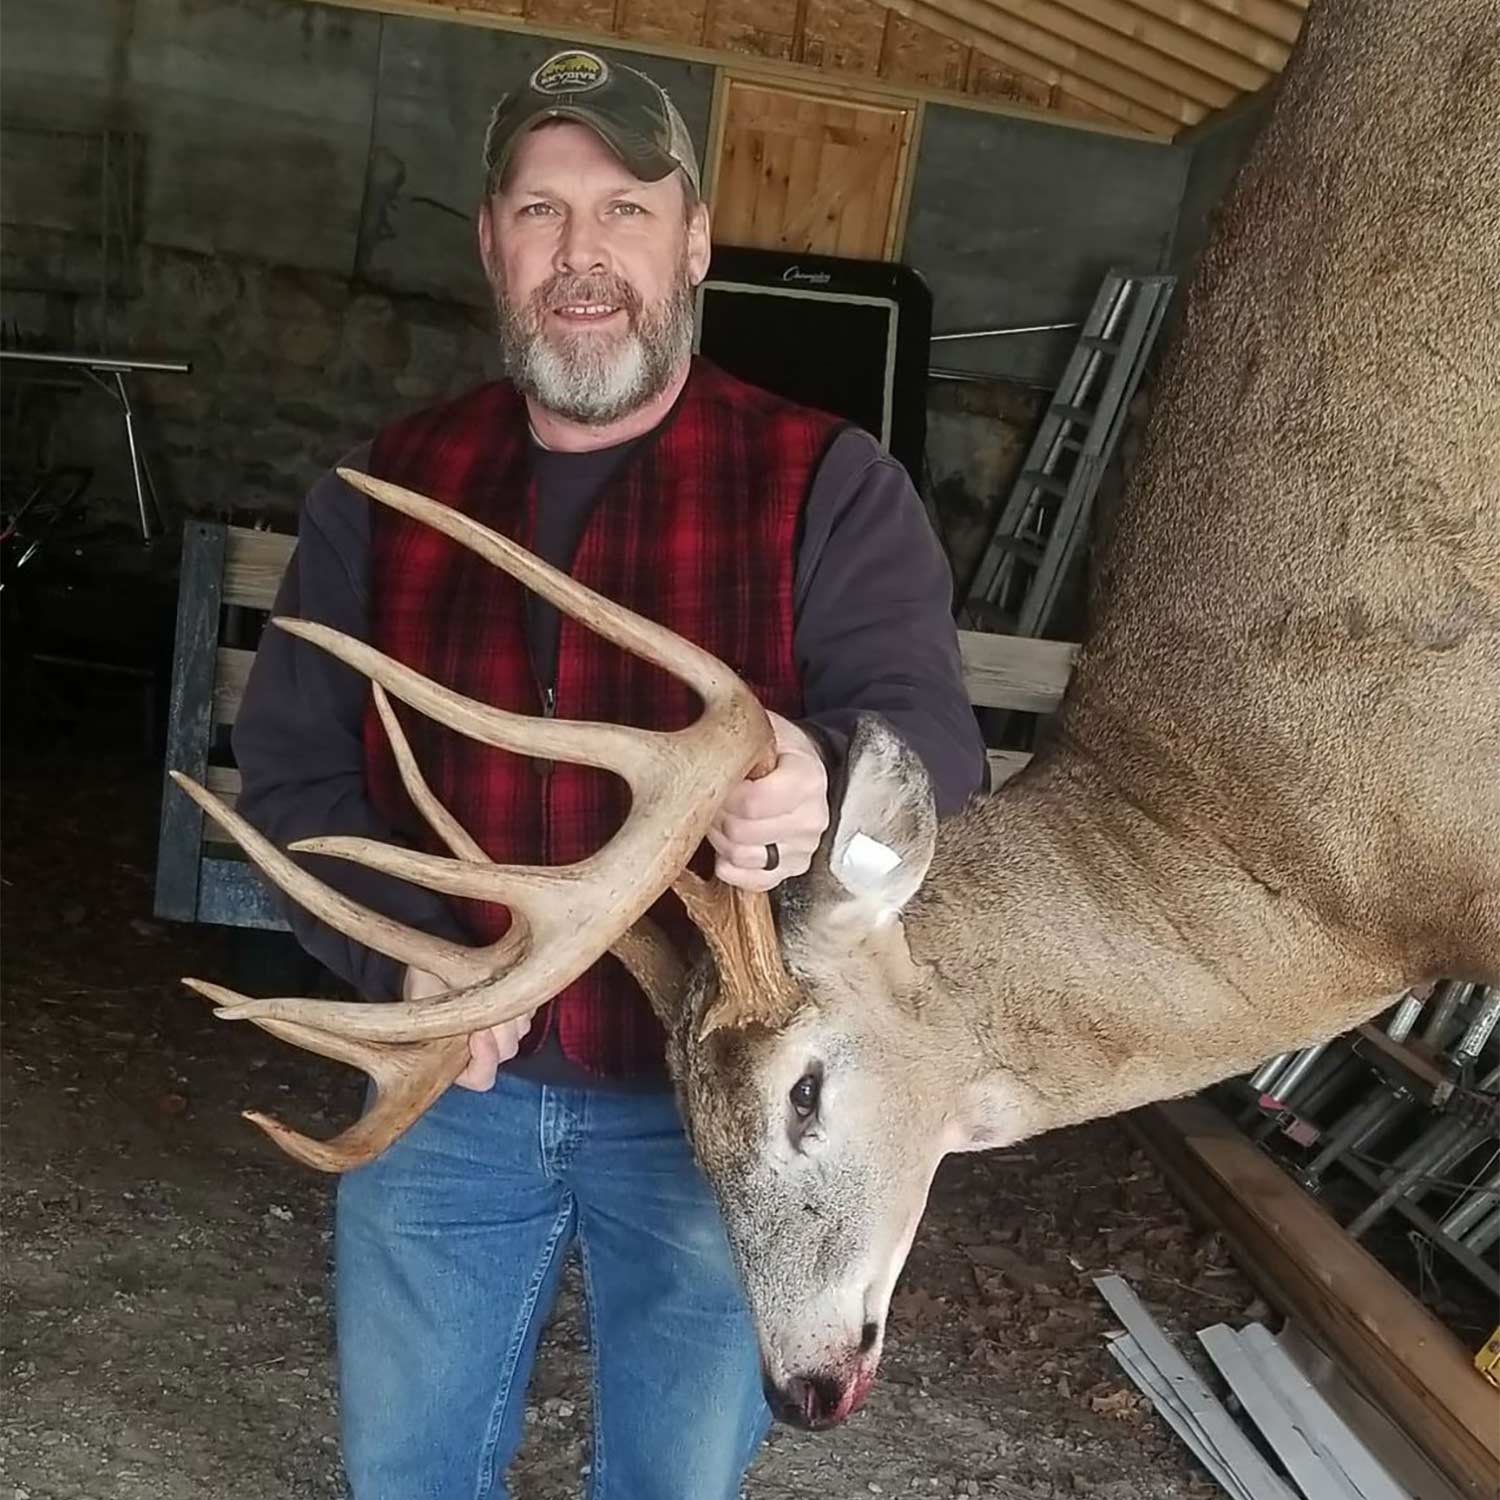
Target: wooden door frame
[{"x": 915, "y": 107}]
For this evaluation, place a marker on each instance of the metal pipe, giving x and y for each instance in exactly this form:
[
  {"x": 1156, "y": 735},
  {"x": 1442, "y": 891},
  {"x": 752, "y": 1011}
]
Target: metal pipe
[
  {"x": 1480, "y": 1026},
  {"x": 1297, "y": 1071},
  {"x": 103, "y": 363},
  {"x": 1450, "y": 995},
  {"x": 1405, "y": 1018},
  {"x": 1484, "y": 1234},
  {"x": 1356, "y": 1130},
  {"x": 1430, "y": 1154},
  {"x": 1001, "y": 333},
  {"x": 1265, "y": 1075},
  {"x": 1458, "y": 1221}
]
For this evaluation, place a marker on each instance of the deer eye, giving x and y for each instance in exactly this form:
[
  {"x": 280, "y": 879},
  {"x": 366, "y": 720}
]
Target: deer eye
[{"x": 805, "y": 1095}]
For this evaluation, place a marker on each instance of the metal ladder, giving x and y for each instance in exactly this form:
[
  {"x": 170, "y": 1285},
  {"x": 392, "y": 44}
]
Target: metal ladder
[{"x": 1016, "y": 586}]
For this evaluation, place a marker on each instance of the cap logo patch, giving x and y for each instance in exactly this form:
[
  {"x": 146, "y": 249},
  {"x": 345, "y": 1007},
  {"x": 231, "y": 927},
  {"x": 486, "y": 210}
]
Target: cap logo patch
[{"x": 570, "y": 73}]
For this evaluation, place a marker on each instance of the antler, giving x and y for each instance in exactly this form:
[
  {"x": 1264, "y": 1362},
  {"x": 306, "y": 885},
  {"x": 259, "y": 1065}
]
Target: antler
[{"x": 564, "y": 918}]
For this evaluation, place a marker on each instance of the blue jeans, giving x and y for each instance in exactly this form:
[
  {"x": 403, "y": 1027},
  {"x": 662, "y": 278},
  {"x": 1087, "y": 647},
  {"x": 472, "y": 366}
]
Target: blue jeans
[{"x": 449, "y": 1251}]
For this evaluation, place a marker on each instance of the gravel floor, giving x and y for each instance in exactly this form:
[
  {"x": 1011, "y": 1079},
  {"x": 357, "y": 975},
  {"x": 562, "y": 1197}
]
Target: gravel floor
[{"x": 166, "y": 1330}]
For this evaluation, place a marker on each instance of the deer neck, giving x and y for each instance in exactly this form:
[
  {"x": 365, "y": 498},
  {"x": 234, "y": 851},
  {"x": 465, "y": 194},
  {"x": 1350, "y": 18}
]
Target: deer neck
[{"x": 1080, "y": 955}]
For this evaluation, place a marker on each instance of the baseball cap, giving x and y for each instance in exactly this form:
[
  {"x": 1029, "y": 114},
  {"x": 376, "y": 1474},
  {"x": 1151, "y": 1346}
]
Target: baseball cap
[{"x": 631, "y": 112}]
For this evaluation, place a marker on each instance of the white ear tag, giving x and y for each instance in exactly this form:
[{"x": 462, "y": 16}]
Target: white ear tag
[{"x": 868, "y": 858}]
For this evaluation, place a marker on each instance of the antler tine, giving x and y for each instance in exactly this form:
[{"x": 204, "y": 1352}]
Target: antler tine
[
  {"x": 705, "y": 673},
  {"x": 457, "y": 965},
  {"x": 439, "y": 819},
  {"x": 609, "y": 746},
  {"x": 577, "y": 912},
  {"x": 407, "y": 1079}
]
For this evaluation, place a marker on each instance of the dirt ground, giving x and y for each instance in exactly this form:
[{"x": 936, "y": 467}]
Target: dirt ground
[{"x": 166, "y": 1326}]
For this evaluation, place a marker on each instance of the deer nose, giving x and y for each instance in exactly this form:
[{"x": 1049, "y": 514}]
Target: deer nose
[{"x": 810, "y": 1402}]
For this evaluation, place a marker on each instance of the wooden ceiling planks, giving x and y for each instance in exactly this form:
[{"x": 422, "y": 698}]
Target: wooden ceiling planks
[{"x": 1149, "y": 66}]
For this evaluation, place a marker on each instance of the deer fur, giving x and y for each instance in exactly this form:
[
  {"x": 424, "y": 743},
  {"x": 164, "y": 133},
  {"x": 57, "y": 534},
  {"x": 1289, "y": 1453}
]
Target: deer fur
[{"x": 1273, "y": 798}]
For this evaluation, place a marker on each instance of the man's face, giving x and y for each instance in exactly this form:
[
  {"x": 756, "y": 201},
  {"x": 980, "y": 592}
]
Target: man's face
[{"x": 593, "y": 272}]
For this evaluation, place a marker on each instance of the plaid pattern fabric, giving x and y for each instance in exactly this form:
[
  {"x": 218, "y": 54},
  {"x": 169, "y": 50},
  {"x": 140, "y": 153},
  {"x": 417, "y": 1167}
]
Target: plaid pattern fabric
[{"x": 697, "y": 529}]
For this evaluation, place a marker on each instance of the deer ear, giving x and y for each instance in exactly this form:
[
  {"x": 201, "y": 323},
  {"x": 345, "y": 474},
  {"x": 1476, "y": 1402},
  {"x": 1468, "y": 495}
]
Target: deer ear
[{"x": 883, "y": 834}]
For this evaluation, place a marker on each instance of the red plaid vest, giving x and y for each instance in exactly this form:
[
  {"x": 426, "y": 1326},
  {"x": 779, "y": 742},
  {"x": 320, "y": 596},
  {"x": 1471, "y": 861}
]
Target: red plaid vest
[{"x": 697, "y": 529}]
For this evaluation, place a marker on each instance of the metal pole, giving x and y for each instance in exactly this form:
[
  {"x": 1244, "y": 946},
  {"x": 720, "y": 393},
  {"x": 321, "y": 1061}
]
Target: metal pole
[
  {"x": 1265, "y": 1075},
  {"x": 1296, "y": 1072},
  {"x": 1405, "y": 1018},
  {"x": 1484, "y": 1234},
  {"x": 136, "y": 464},
  {"x": 1481, "y": 1025},
  {"x": 1451, "y": 994},
  {"x": 1468, "y": 1213},
  {"x": 1445, "y": 1143}
]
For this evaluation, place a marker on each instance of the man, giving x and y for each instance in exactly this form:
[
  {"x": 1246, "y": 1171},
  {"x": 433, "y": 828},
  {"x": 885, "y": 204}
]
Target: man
[{"x": 780, "y": 539}]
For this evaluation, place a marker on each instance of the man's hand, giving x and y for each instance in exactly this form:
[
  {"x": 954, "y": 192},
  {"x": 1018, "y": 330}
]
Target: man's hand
[
  {"x": 487, "y": 1049},
  {"x": 787, "y": 807}
]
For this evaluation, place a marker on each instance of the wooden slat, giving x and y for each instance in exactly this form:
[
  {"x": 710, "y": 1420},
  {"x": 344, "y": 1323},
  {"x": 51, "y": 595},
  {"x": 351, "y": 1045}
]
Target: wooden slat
[
  {"x": 695, "y": 46},
  {"x": 1160, "y": 48},
  {"x": 189, "y": 719},
  {"x": 1012, "y": 671},
  {"x": 1096, "y": 48},
  {"x": 1117, "y": 91},
  {"x": 1279, "y": 18},
  {"x": 1385, "y": 1341},
  {"x": 1200, "y": 18},
  {"x": 253, "y": 564},
  {"x": 224, "y": 783},
  {"x": 231, "y": 670},
  {"x": 1004, "y": 764},
  {"x": 233, "y": 893}
]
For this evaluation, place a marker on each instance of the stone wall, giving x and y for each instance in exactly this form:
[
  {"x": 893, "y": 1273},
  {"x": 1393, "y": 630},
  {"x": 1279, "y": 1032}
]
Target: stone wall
[{"x": 281, "y": 193}]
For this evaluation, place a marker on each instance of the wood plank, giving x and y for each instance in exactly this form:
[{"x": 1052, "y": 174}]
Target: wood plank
[
  {"x": 1004, "y": 764},
  {"x": 233, "y": 893},
  {"x": 224, "y": 783},
  {"x": 1386, "y": 1342},
  {"x": 989, "y": 78},
  {"x": 1226, "y": 30},
  {"x": 844, "y": 35},
  {"x": 1013, "y": 671},
  {"x": 253, "y": 564},
  {"x": 762, "y": 28},
  {"x": 1281, "y": 19},
  {"x": 592, "y": 15},
  {"x": 1119, "y": 123},
  {"x": 1181, "y": 45},
  {"x": 189, "y": 718},
  {"x": 1100, "y": 52},
  {"x": 663, "y": 20},
  {"x": 916, "y": 53},
  {"x": 1028, "y": 51},
  {"x": 231, "y": 670}
]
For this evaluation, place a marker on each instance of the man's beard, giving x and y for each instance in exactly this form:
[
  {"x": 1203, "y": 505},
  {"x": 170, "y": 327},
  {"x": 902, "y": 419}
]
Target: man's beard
[{"x": 589, "y": 377}]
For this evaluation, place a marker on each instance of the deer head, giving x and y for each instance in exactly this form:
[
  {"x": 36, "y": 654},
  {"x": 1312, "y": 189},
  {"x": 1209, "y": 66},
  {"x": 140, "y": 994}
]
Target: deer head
[{"x": 802, "y": 1113}]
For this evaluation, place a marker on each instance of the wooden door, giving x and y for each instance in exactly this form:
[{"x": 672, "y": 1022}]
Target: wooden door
[{"x": 806, "y": 171}]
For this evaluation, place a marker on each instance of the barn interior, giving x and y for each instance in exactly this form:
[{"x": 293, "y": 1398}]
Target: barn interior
[{"x": 238, "y": 239}]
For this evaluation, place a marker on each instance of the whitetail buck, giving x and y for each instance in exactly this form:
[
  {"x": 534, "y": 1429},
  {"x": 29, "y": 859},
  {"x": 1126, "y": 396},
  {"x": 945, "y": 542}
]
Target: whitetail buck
[{"x": 1272, "y": 803}]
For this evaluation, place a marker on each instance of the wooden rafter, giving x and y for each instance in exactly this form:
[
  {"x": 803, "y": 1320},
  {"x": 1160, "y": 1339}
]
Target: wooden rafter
[{"x": 1145, "y": 66}]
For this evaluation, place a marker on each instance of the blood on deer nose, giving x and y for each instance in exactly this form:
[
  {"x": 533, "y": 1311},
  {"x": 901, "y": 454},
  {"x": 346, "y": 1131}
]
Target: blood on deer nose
[{"x": 809, "y": 1402}]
